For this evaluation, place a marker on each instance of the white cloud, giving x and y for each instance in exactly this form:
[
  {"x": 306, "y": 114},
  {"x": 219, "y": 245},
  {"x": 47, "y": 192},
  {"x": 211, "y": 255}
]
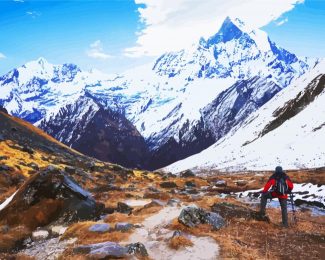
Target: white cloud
[
  {"x": 175, "y": 24},
  {"x": 33, "y": 14},
  {"x": 281, "y": 22},
  {"x": 20, "y": 1},
  {"x": 96, "y": 51},
  {"x": 2, "y": 56}
]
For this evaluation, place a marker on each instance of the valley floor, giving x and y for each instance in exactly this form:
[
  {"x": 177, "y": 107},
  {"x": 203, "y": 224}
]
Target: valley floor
[{"x": 157, "y": 200}]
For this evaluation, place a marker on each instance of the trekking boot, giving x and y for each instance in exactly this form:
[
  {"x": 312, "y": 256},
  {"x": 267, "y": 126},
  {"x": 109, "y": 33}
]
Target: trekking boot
[
  {"x": 285, "y": 225},
  {"x": 261, "y": 216}
]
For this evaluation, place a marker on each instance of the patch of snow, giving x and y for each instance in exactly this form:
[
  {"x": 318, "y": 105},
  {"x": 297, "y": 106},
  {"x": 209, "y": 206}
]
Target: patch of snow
[{"x": 7, "y": 201}]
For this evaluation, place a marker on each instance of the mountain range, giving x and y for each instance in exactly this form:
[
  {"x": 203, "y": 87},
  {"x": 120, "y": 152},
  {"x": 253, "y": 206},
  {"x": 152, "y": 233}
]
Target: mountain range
[{"x": 159, "y": 113}]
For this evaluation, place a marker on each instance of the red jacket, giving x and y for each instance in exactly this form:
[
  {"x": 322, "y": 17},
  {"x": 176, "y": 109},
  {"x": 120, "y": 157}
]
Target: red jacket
[{"x": 271, "y": 183}]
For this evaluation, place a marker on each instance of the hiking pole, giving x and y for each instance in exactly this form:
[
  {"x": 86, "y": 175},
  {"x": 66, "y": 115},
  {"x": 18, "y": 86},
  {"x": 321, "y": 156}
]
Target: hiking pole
[{"x": 293, "y": 209}]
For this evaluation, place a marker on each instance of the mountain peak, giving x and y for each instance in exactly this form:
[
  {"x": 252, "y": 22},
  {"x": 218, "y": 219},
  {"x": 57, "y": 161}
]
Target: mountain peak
[{"x": 234, "y": 28}]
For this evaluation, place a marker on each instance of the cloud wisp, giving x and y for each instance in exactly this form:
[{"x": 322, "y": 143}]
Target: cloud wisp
[
  {"x": 174, "y": 24},
  {"x": 281, "y": 22},
  {"x": 2, "y": 56},
  {"x": 33, "y": 14},
  {"x": 96, "y": 51}
]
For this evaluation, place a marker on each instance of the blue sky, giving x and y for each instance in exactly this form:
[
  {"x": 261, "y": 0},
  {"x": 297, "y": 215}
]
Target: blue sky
[{"x": 104, "y": 34}]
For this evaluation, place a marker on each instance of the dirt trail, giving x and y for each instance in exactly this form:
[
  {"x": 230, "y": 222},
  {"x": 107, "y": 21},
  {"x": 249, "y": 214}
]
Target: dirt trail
[{"x": 154, "y": 235}]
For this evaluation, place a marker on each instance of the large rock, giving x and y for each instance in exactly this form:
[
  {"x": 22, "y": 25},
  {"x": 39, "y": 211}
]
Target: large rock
[
  {"x": 124, "y": 208},
  {"x": 100, "y": 228},
  {"x": 123, "y": 226},
  {"x": 49, "y": 196},
  {"x": 168, "y": 185},
  {"x": 111, "y": 250},
  {"x": 192, "y": 216},
  {"x": 230, "y": 211}
]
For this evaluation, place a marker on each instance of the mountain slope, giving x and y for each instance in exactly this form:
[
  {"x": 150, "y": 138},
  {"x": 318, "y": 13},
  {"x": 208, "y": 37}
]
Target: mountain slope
[
  {"x": 175, "y": 103},
  {"x": 288, "y": 130}
]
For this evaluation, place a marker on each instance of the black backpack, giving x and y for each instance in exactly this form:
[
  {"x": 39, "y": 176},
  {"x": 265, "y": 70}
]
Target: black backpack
[{"x": 281, "y": 186}]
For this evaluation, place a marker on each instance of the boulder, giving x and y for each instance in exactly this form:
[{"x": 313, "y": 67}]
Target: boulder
[
  {"x": 220, "y": 183},
  {"x": 104, "y": 250},
  {"x": 230, "y": 211},
  {"x": 40, "y": 235},
  {"x": 168, "y": 185},
  {"x": 47, "y": 197},
  {"x": 192, "y": 216},
  {"x": 137, "y": 249},
  {"x": 124, "y": 208},
  {"x": 111, "y": 250},
  {"x": 100, "y": 228},
  {"x": 123, "y": 226}
]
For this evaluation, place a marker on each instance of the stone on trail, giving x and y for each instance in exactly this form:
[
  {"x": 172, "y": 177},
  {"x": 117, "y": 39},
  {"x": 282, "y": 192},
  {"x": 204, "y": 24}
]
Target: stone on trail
[
  {"x": 192, "y": 216},
  {"x": 100, "y": 228},
  {"x": 39, "y": 235}
]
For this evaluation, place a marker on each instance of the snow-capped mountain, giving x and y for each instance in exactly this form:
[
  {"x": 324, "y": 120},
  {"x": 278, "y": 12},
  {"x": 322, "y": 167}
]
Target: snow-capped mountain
[
  {"x": 181, "y": 104},
  {"x": 288, "y": 130}
]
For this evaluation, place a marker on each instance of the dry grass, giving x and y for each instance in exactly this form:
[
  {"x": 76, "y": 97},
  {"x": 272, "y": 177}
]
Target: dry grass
[
  {"x": 81, "y": 231},
  {"x": 9, "y": 240},
  {"x": 178, "y": 242}
]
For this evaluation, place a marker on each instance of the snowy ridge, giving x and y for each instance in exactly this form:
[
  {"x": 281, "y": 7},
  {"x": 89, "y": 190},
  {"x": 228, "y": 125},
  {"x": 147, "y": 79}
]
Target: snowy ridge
[
  {"x": 296, "y": 143},
  {"x": 172, "y": 102}
]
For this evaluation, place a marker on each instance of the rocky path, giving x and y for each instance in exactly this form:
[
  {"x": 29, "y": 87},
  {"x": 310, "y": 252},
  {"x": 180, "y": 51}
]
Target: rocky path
[{"x": 155, "y": 236}]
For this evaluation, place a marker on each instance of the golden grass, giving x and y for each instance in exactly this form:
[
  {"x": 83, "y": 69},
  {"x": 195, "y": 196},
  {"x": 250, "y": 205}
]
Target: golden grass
[
  {"x": 8, "y": 240},
  {"x": 178, "y": 242},
  {"x": 81, "y": 231}
]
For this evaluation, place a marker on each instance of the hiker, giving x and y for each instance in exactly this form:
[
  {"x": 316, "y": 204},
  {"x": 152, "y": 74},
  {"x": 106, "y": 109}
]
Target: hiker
[{"x": 281, "y": 186}]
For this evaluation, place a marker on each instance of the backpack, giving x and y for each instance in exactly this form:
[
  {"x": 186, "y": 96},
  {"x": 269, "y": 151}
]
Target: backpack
[{"x": 281, "y": 186}]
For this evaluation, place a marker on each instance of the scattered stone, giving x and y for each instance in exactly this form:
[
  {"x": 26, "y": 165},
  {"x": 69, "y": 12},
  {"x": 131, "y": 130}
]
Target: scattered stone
[
  {"x": 153, "y": 189},
  {"x": 4, "y": 158},
  {"x": 192, "y": 216},
  {"x": 105, "y": 250},
  {"x": 137, "y": 249},
  {"x": 187, "y": 174},
  {"x": 241, "y": 183},
  {"x": 14, "y": 129},
  {"x": 124, "y": 208},
  {"x": 215, "y": 220},
  {"x": 220, "y": 183},
  {"x": 109, "y": 250},
  {"x": 40, "y": 235},
  {"x": 168, "y": 185},
  {"x": 100, "y": 228},
  {"x": 191, "y": 191},
  {"x": 174, "y": 202},
  {"x": 123, "y": 226},
  {"x": 2, "y": 138},
  {"x": 58, "y": 230}
]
